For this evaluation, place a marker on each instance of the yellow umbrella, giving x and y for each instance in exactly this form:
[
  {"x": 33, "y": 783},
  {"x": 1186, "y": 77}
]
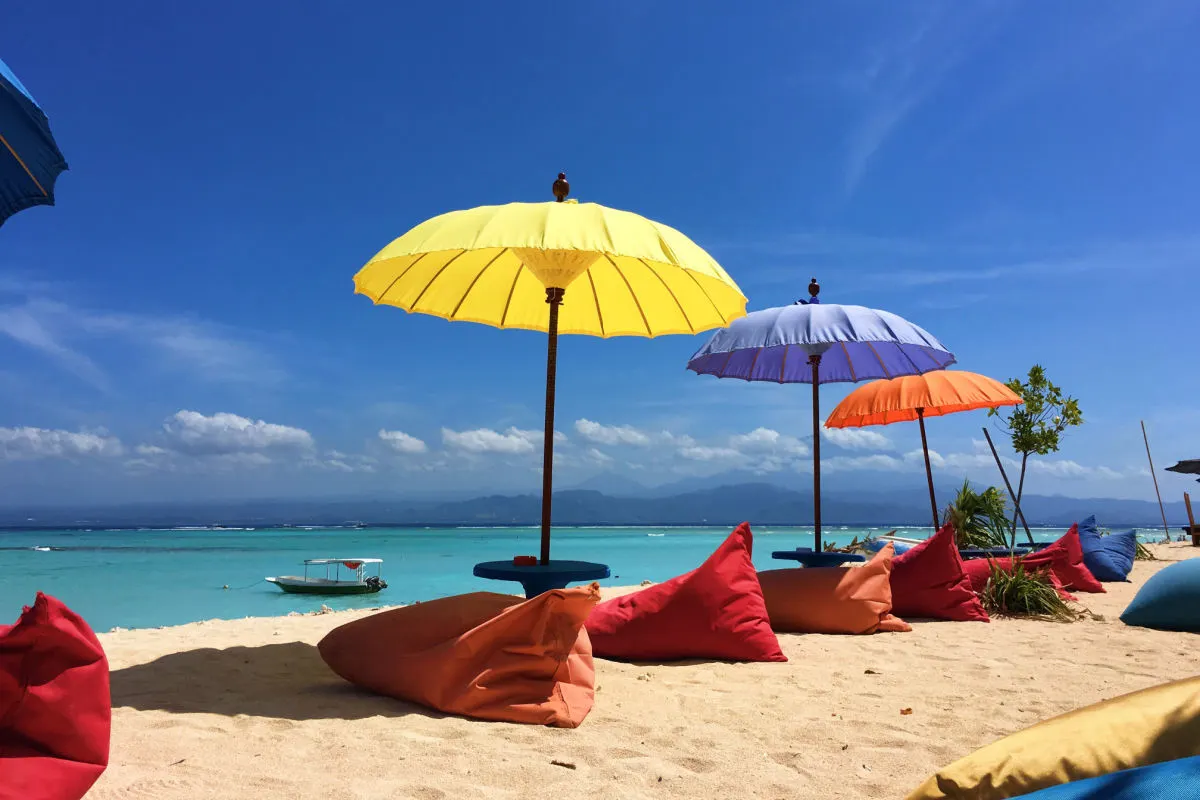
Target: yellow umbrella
[{"x": 502, "y": 265}]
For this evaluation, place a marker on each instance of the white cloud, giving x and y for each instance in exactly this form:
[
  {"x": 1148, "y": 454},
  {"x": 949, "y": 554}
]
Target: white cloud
[
  {"x": 765, "y": 440},
  {"x": 856, "y": 439},
  {"x": 598, "y": 457},
  {"x": 485, "y": 440},
  {"x": 513, "y": 441},
  {"x": 401, "y": 442},
  {"x": 32, "y": 443},
  {"x": 610, "y": 434},
  {"x": 222, "y": 434},
  {"x": 64, "y": 332},
  {"x": 878, "y": 461},
  {"x": 703, "y": 453}
]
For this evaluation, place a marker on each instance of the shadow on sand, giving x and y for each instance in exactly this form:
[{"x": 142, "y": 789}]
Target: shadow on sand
[{"x": 285, "y": 681}]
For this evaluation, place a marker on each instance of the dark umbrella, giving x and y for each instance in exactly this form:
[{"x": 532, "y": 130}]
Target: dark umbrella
[
  {"x": 30, "y": 160},
  {"x": 1189, "y": 467},
  {"x": 811, "y": 342}
]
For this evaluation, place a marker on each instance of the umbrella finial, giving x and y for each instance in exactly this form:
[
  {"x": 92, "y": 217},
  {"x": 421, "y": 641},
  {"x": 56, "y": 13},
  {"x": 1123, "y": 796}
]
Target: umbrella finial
[
  {"x": 814, "y": 289},
  {"x": 561, "y": 188}
]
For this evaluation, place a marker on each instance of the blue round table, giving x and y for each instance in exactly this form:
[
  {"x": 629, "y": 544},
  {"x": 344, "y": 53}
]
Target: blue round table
[
  {"x": 538, "y": 578},
  {"x": 971, "y": 553},
  {"x": 809, "y": 558}
]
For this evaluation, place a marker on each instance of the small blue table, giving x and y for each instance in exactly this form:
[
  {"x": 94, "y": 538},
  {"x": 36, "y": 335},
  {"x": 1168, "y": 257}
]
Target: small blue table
[
  {"x": 538, "y": 578},
  {"x": 810, "y": 558},
  {"x": 970, "y": 553}
]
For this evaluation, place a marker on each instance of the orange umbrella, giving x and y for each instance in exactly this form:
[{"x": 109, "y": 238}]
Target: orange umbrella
[{"x": 933, "y": 394}]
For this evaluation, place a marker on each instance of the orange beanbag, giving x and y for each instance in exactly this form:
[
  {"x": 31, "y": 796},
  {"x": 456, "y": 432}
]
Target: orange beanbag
[
  {"x": 483, "y": 655},
  {"x": 833, "y": 599}
]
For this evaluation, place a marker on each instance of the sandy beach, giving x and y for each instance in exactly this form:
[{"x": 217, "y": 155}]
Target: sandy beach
[{"x": 246, "y": 708}]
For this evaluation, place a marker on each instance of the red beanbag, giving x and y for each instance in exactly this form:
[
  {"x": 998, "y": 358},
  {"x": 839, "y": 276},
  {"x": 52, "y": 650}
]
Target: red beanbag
[
  {"x": 1073, "y": 573},
  {"x": 928, "y": 581},
  {"x": 978, "y": 571},
  {"x": 483, "y": 655},
  {"x": 833, "y": 599},
  {"x": 55, "y": 708},
  {"x": 715, "y": 611}
]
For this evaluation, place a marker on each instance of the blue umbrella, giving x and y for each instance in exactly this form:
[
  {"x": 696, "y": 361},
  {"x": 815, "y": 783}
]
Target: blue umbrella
[
  {"x": 30, "y": 161},
  {"x": 811, "y": 342}
]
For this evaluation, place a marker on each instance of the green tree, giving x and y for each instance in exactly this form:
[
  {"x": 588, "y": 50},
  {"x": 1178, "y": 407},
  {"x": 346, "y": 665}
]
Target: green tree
[{"x": 1037, "y": 427}]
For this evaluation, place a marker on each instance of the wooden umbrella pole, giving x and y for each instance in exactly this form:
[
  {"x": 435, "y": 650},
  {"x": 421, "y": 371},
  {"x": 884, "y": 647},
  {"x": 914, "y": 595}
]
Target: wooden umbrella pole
[
  {"x": 554, "y": 297},
  {"x": 1161, "y": 510},
  {"x": 928, "y": 467},
  {"x": 816, "y": 364},
  {"x": 1008, "y": 485}
]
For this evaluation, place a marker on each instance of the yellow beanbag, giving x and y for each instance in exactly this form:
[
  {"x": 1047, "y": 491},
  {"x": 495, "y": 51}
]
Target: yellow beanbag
[{"x": 1161, "y": 723}]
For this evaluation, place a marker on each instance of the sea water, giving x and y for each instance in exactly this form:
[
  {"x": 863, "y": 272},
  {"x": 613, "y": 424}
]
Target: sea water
[{"x": 149, "y": 578}]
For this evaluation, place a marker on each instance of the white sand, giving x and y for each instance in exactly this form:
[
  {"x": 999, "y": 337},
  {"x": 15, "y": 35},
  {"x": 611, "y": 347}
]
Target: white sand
[{"x": 247, "y": 708}]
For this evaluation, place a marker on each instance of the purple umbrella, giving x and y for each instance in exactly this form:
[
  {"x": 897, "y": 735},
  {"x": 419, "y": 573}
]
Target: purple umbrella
[{"x": 813, "y": 343}]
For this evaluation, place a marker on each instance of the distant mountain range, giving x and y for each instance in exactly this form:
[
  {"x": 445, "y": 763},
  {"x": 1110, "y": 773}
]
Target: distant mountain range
[{"x": 762, "y": 503}]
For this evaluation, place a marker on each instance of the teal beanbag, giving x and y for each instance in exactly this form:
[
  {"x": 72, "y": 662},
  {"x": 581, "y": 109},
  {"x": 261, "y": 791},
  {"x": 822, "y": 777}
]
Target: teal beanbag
[{"x": 1170, "y": 600}]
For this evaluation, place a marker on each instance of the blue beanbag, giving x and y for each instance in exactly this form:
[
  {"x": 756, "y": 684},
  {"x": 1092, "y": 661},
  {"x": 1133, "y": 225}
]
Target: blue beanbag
[
  {"x": 875, "y": 545},
  {"x": 1109, "y": 558},
  {"x": 1170, "y": 600},
  {"x": 1166, "y": 780}
]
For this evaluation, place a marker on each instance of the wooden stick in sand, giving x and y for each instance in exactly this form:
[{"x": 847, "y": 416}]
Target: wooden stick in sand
[
  {"x": 1161, "y": 510},
  {"x": 1192, "y": 529},
  {"x": 1011, "y": 493}
]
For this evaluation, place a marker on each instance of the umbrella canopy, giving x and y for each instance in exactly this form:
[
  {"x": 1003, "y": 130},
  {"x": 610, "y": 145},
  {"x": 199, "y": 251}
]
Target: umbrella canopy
[
  {"x": 812, "y": 342},
  {"x": 1188, "y": 467},
  {"x": 628, "y": 276},
  {"x": 510, "y": 266},
  {"x": 915, "y": 397},
  {"x": 30, "y": 160}
]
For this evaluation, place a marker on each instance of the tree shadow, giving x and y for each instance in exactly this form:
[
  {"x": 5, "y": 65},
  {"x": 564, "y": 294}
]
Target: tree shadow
[{"x": 285, "y": 681}]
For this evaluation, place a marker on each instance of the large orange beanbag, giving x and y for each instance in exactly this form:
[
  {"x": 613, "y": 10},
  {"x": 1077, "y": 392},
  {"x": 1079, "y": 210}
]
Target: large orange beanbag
[
  {"x": 483, "y": 655},
  {"x": 715, "y": 611},
  {"x": 833, "y": 599},
  {"x": 55, "y": 708}
]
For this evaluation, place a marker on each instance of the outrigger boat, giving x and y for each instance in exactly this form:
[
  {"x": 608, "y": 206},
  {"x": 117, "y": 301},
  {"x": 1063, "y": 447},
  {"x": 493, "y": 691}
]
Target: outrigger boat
[{"x": 333, "y": 584}]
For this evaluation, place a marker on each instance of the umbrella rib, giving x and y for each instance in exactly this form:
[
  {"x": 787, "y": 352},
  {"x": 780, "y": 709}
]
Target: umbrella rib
[
  {"x": 596, "y": 298},
  {"x": 511, "y": 289},
  {"x": 437, "y": 275},
  {"x": 474, "y": 281},
  {"x": 704, "y": 291},
  {"x": 904, "y": 353},
  {"x": 663, "y": 280},
  {"x": 882, "y": 366},
  {"x": 396, "y": 280},
  {"x": 725, "y": 366},
  {"x": 753, "y": 361},
  {"x": 22, "y": 163},
  {"x": 629, "y": 286},
  {"x": 849, "y": 363}
]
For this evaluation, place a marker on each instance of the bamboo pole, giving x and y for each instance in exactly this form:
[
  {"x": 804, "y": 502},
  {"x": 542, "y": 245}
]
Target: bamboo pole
[
  {"x": 1007, "y": 485},
  {"x": 1161, "y": 510}
]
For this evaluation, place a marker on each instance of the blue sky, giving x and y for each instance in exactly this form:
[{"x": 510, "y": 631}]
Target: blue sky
[{"x": 1019, "y": 179}]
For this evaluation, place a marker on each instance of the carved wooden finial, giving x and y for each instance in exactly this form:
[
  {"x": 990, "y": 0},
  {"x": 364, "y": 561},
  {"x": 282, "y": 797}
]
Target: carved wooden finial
[
  {"x": 814, "y": 288},
  {"x": 561, "y": 188}
]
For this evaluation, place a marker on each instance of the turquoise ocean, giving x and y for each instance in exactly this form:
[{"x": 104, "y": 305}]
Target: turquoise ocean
[{"x": 150, "y": 578}]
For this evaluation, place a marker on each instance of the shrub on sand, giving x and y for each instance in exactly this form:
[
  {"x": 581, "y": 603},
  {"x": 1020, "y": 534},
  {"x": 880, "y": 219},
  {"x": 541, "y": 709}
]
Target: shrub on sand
[{"x": 1022, "y": 592}]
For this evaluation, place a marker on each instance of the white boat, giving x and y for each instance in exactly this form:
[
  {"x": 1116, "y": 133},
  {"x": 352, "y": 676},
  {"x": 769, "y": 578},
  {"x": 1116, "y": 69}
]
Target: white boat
[{"x": 334, "y": 581}]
